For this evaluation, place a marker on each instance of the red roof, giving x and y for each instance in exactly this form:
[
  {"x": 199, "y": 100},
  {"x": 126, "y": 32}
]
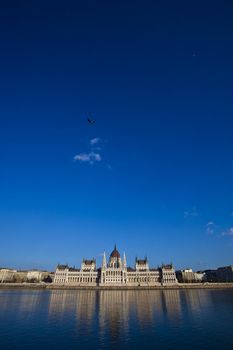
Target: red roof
[{"x": 115, "y": 253}]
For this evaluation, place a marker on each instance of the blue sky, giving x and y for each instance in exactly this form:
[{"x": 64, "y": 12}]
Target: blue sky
[{"x": 154, "y": 173}]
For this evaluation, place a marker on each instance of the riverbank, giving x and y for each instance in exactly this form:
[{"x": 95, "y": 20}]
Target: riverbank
[{"x": 50, "y": 286}]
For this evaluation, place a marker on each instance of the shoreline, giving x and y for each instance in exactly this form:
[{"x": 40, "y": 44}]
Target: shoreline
[{"x": 50, "y": 286}]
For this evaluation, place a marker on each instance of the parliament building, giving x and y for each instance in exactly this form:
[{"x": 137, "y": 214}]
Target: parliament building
[{"x": 115, "y": 273}]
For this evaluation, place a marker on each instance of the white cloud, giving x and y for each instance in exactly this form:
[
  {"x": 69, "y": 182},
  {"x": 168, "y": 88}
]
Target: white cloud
[
  {"x": 94, "y": 141},
  {"x": 109, "y": 166},
  {"x": 210, "y": 227},
  {"x": 228, "y": 232},
  {"x": 210, "y": 223},
  {"x": 191, "y": 213},
  {"x": 90, "y": 158},
  {"x": 210, "y": 230}
]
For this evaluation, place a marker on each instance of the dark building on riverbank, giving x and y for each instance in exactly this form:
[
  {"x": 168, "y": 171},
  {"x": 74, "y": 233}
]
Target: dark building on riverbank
[
  {"x": 225, "y": 274},
  {"x": 210, "y": 276}
]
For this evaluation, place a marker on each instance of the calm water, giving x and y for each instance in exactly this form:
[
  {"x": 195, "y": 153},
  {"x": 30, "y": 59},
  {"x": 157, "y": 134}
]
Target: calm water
[{"x": 195, "y": 319}]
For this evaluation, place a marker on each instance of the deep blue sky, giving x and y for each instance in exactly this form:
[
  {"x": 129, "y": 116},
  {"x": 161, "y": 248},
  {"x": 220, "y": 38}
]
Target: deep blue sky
[{"x": 157, "y": 76}]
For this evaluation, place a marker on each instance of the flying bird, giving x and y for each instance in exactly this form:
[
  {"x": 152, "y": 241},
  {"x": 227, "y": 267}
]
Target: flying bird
[{"x": 91, "y": 121}]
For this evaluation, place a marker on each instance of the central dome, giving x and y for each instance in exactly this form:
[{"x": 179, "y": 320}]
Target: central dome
[{"x": 115, "y": 253}]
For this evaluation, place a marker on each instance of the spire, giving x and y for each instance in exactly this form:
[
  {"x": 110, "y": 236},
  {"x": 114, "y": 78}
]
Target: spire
[
  {"x": 115, "y": 247},
  {"x": 104, "y": 262},
  {"x": 124, "y": 260}
]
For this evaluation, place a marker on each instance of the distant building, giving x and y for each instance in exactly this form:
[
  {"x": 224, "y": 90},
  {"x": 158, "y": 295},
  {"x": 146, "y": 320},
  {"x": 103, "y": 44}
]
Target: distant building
[
  {"x": 142, "y": 275},
  {"x": 14, "y": 276},
  {"x": 7, "y": 275},
  {"x": 168, "y": 275},
  {"x": 199, "y": 276},
  {"x": 34, "y": 276},
  {"x": 115, "y": 273},
  {"x": 225, "y": 274},
  {"x": 210, "y": 276},
  {"x": 185, "y": 276},
  {"x": 37, "y": 276},
  {"x": 189, "y": 276},
  {"x": 87, "y": 275}
]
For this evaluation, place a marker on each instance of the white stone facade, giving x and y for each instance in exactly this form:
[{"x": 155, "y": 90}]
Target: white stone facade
[
  {"x": 168, "y": 275},
  {"x": 6, "y": 275},
  {"x": 86, "y": 276},
  {"x": 34, "y": 275},
  {"x": 115, "y": 273}
]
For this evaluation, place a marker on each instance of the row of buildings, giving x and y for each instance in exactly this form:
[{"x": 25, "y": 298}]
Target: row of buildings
[
  {"x": 220, "y": 275},
  {"x": 30, "y": 276},
  {"x": 115, "y": 272}
]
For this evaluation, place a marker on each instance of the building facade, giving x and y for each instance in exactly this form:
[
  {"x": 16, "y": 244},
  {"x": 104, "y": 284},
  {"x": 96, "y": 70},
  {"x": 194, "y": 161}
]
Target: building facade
[
  {"x": 23, "y": 276},
  {"x": 189, "y": 276},
  {"x": 86, "y": 276},
  {"x": 210, "y": 276},
  {"x": 6, "y": 275},
  {"x": 225, "y": 274},
  {"x": 115, "y": 273}
]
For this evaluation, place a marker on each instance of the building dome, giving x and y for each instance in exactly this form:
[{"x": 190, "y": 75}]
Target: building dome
[{"x": 115, "y": 253}]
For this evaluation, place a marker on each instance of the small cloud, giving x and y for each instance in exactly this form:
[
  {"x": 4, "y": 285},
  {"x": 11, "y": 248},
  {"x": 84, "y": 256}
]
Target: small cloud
[
  {"x": 228, "y": 232},
  {"x": 90, "y": 158},
  {"x": 210, "y": 227},
  {"x": 210, "y": 223},
  {"x": 210, "y": 230},
  {"x": 95, "y": 141},
  {"x": 109, "y": 166},
  {"x": 191, "y": 213}
]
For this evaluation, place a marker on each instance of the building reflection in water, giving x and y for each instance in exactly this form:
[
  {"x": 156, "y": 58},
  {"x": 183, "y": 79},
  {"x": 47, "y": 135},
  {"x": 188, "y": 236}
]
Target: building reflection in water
[
  {"x": 171, "y": 304},
  {"x": 62, "y": 302},
  {"x": 196, "y": 300},
  {"x": 22, "y": 302},
  {"x": 145, "y": 306},
  {"x": 86, "y": 310},
  {"x": 77, "y": 306},
  {"x": 114, "y": 312}
]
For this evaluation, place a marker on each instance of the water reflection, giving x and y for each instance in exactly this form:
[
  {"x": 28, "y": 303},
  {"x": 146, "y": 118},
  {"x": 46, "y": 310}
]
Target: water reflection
[
  {"x": 172, "y": 304},
  {"x": 118, "y": 305},
  {"x": 119, "y": 319},
  {"x": 113, "y": 315},
  {"x": 111, "y": 308},
  {"x": 20, "y": 301},
  {"x": 196, "y": 300},
  {"x": 115, "y": 311}
]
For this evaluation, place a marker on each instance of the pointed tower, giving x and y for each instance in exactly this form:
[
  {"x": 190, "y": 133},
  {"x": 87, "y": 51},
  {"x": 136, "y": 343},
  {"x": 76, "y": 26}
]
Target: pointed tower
[
  {"x": 104, "y": 262},
  {"x": 103, "y": 270},
  {"x": 124, "y": 261}
]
